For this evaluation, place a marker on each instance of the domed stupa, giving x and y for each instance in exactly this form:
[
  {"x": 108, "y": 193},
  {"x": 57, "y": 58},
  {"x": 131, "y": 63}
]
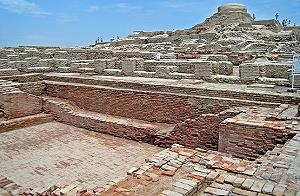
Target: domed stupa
[
  {"x": 232, "y": 7},
  {"x": 230, "y": 13}
]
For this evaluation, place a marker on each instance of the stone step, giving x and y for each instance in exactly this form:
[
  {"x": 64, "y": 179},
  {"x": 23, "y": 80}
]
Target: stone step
[
  {"x": 182, "y": 75},
  {"x": 63, "y": 69},
  {"x": 83, "y": 61},
  {"x": 112, "y": 72},
  {"x": 86, "y": 70},
  {"x": 114, "y": 125},
  {"x": 145, "y": 74},
  {"x": 16, "y": 123},
  {"x": 4, "y": 72},
  {"x": 38, "y": 69},
  {"x": 164, "y": 86}
]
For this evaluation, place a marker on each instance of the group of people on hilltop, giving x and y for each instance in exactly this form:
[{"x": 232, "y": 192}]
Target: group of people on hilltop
[
  {"x": 284, "y": 22},
  {"x": 98, "y": 40}
]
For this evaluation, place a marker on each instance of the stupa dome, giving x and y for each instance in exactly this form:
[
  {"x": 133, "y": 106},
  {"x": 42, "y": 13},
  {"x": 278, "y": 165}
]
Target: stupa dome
[{"x": 232, "y": 7}]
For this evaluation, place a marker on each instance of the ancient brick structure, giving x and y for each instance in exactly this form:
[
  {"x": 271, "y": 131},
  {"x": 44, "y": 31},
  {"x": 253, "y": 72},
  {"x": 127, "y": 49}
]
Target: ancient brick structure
[
  {"x": 212, "y": 103},
  {"x": 250, "y": 139}
]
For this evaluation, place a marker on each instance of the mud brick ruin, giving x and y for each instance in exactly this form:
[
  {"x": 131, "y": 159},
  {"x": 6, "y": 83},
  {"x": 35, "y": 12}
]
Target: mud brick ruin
[{"x": 212, "y": 116}]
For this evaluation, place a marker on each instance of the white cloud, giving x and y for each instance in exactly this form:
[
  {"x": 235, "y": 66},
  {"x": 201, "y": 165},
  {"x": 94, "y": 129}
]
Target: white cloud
[
  {"x": 125, "y": 7},
  {"x": 64, "y": 18},
  {"x": 22, "y": 7},
  {"x": 92, "y": 8}
]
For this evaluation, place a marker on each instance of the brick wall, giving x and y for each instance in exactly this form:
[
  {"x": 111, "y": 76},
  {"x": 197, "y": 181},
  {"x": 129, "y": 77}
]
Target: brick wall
[
  {"x": 202, "y": 132},
  {"x": 182, "y": 66},
  {"x": 249, "y": 71},
  {"x": 26, "y": 121},
  {"x": 143, "y": 105},
  {"x": 222, "y": 68},
  {"x": 65, "y": 114},
  {"x": 232, "y": 94},
  {"x": 250, "y": 139},
  {"x": 35, "y": 88},
  {"x": 19, "y": 104},
  {"x": 152, "y": 107},
  {"x": 277, "y": 70},
  {"x": 296, "y": 81}
]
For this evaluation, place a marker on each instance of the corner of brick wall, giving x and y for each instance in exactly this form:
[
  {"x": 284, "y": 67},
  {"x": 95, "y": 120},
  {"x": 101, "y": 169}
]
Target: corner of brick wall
[
  {"x": 248, "y": 139},
  {"x": 202, "y": 131},
  {"x": 20, "y": 104},
  {"x": 63, "y": 113}
]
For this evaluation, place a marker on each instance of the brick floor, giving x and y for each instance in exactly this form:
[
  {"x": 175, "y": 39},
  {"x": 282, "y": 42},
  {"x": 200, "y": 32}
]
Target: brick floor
[{"x": 46, "y": 154}]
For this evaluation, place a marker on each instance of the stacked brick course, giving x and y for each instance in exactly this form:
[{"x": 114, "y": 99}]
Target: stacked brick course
[
  {"x": 15, "y": 103},
  {"x": 195, "y": 127},
  {"x": 249, "y": 71},
  {"x": 277, "y": 70},
  {"x": 223, "y": 68},
  {"x": 12, "y": 124},
  {"x": 250, "y": 139},
  {"x": 270, "y": 98},
  {"x": 144, "y": 105},
  {"x": 201, "y": 132},
  {"x": 120, "y": 127},
  {"x": 152, "y": 107}
]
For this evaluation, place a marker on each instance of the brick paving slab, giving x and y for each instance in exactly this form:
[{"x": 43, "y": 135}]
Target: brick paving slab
[{"x": 43, "y": 155}]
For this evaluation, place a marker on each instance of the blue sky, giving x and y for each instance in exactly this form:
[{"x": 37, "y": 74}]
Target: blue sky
[{"x": 80, "y": 22}]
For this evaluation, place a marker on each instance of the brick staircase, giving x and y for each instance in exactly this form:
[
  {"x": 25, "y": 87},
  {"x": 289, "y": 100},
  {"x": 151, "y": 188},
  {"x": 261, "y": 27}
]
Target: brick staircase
[{"x": 134, "y": 129}]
